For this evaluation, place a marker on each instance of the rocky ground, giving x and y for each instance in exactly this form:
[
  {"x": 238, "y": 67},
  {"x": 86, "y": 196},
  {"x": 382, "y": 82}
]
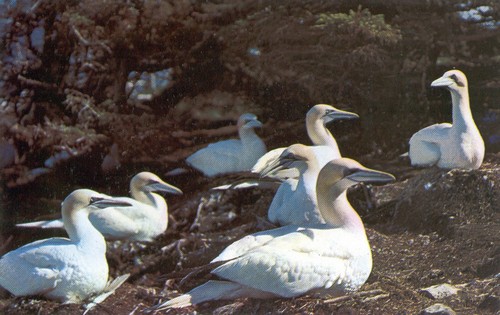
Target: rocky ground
[{"x": 430, "y": 228}]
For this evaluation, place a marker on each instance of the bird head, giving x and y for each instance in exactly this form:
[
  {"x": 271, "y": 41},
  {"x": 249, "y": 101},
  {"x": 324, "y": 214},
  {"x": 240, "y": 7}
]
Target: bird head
[
  {"x": 248, "y": 120},
  {"x": 453, "y": 80},
  {"x": 328, "y": 113},
  {"x": 343, "y": 173},
  {"x": 149, "y": 182}
]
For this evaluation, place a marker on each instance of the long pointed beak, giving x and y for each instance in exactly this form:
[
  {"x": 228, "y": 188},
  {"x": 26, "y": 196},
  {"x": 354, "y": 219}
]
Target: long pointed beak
[
  {"x": 163, "y": 187},
  {"x": 276, "y": 166},
  {"x": 442, "y": 82},
  {"x": 340, "y": 114},
  {"x": 254, "y": 124},
  {"x": 102, "y": 203},
  {"x": 371, "y": 176}
]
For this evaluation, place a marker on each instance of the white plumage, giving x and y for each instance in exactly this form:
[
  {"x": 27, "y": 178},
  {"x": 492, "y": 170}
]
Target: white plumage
[
  {"x": 295, "y": 199},
  {"x": 145, "y": 218},
  {"x": 232, "y": 155},
  {"x": 457, "y": 145},
  {"x": 68, "y": 270},
  {"x": 325, "y": 259},
  {"x": 325, "y": 145}
]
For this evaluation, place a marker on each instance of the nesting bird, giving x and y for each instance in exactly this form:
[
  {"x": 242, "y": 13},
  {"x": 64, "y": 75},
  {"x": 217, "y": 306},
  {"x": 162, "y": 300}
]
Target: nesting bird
[
  {"x": 295, "y": 199},
  {"x": 322, "y": 259},
  {"x": 68, "y": 270},
  {"x": 457, "y": 145},
  {"x": 145, "y": 218},
  {"x": 324, "y": 144},
  {"x": 232, "y": 155}
]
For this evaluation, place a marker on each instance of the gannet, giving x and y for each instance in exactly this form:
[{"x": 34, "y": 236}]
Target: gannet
[
  {"x": 326, "y": 149},
  {"x": 457, "y": 145},
  {"x": 295, "y": 200},
  {"x": 322, "y": 259},
  {"x": 68, "y": 270},
  {"x": 325, "y": 145},
  {"x": 232, "y": 155},
  {"x": 143, "y": 220}
]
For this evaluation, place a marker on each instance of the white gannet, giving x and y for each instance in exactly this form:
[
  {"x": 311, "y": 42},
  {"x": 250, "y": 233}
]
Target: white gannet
[
  {"x": 457, "y": 145},
  {"x": 143, "y": 220},
  {"x": 68, "y": 270},
  {"x": 295, "y": 200},
  {"x": 325, "y": 145},
  {"x": 232, "y": 155},
  {"x": 322, "y": 259}
]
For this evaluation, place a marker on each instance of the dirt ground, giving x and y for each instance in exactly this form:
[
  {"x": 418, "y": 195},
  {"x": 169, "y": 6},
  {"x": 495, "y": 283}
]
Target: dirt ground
[{"x": 430, "y": 227}]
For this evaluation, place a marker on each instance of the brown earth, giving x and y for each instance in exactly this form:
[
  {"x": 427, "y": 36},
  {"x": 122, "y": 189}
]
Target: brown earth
[{"x": 430, "y": 227}]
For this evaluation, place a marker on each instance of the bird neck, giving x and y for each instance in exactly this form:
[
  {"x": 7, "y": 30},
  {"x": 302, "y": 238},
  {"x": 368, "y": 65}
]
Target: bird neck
[
  {"x": 309, "y": 177},
  {"x": 336, "y": 209},
  {"x": 151, "y": 199},
  {"x": 462, "y": 115},
  {"x": 82, "y": 232},
  {"x": 318, "y": 133},
  {"x": 248, "y": 136}
]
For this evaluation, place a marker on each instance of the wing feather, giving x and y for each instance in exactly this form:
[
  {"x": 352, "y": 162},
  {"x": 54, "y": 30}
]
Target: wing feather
[{"x": 284, "y": 263}]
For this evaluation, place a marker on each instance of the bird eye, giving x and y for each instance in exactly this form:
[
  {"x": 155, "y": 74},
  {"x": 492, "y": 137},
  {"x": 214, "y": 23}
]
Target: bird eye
[
  {"x": 456, "y": 79},
  {"x": 329, "y": 112},
  {"x": 152, "y": 182},
  {"x": 351, "y": 171},
  {"x": 290, "y": 156},
  {"x": 95, "y": 199}
]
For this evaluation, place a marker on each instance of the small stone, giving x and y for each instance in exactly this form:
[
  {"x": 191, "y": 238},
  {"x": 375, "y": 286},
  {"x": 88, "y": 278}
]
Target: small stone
[
  {"x": 438, "y": 309},
  {"x": 435, "y": 273},
  {"x": 439, "y": 291},
  {"x": 254, "y": 51},
  {"x": 37, "y": 38}
]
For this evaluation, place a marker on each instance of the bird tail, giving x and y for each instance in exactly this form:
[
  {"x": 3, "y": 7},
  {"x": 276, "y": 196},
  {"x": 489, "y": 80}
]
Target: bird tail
[
  {"x": 54, "y": 224},
  {"x": 250, "y": 183},
  {"x": 212, "y": 290},
  {"x": 178, "y": 302}
]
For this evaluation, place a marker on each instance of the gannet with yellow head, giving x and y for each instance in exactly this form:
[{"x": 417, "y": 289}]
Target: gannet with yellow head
[
  {"x": 233, "y": 155},
  {"x": 327, "y": 259},
  {"x": 145, "y": 218},
  {"x": 68, "y": 270},
  {"x": 457, "y": 145}
]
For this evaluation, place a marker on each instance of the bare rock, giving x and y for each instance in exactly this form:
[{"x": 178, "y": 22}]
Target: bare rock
[
  {"x": 439, "y": 291},
  {"x": 438, "y": 309}
]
